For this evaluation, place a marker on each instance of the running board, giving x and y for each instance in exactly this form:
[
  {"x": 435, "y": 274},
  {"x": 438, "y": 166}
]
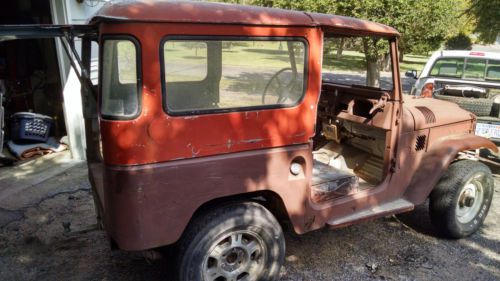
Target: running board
[{"x": 393, "y": 207}]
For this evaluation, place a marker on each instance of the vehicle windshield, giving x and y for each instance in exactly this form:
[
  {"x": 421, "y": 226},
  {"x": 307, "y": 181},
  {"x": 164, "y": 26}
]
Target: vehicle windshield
[
  {"x": 467, "y": 68},
  {"x": 362, "y": 61}
]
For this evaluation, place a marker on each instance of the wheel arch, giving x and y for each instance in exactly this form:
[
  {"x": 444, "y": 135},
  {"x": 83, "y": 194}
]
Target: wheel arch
[
  {"x": 437, "y": 159},
  {"x": 269, "y": 199}
]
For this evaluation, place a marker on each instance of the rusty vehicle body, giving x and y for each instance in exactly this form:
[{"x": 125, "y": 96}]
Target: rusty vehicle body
[{"x": 155, "y": 172}]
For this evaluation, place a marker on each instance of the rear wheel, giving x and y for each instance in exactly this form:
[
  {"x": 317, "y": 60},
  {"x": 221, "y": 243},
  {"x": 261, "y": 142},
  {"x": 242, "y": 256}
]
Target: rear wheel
[
  {"x": 238, "y": 242},
  {"x": 461, "y": 200}
]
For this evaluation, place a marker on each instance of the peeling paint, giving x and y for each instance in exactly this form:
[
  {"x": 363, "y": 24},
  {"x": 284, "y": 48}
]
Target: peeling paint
[
  {"x": 194, "y": 152},
  {"x": 229, "y": 143},
  {"x": 252, "y": 141},
  {"x": 300, "y": 135}
]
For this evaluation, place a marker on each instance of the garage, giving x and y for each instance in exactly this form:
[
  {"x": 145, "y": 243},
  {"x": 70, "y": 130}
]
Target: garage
[
  {"x": 39, "y": 90},
  {"x": 40, "y": 103},
  {"x": 31, "y": 86}
]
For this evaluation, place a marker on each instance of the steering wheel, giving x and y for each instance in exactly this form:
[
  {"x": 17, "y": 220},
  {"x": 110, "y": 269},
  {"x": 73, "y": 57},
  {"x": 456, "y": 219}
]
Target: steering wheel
[{"x": 284, "y": 87}]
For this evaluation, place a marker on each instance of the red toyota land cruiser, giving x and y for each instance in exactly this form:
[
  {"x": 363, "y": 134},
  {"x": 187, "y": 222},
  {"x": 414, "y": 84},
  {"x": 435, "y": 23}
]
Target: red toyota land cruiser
[{"x": 213, "y": 125}]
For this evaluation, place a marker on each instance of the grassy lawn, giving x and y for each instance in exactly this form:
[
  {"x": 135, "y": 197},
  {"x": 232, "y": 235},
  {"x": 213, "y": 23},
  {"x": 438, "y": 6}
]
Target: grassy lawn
[
  {"x": 355, "y": 61},
  {"x": 264, "y": 55},
  {"x": 254, "y": 53},
  {"x": 413, "y": 62}
]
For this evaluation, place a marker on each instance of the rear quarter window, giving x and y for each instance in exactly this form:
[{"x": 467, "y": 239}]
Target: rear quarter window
[{"x": 119, "y": 79}]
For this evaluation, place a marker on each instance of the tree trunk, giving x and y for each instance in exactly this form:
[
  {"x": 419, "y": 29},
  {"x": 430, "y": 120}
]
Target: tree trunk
[
  {"x": 401, "y": 56},
  {"x": 372, "y": 64},
  {"x": 386, "y": 64},
  {"x": 372, "y": 73},
  {"x": 341, "y": 47}
]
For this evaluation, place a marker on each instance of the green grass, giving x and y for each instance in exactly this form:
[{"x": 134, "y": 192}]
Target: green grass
[
  {"x": 349, "y": 61},
  {"x": 413, "y": 62},
  {"x": 258, "y": 54},
  {"x": 355, "y": 61},
  {"x": 264, "y": 55}
]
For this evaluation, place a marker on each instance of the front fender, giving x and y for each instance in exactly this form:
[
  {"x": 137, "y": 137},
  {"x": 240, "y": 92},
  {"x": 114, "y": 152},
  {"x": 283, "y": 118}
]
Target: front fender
[{"x": 437, "y": 159}]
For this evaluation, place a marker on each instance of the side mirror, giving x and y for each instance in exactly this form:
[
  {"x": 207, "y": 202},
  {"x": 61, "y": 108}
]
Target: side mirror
[{"x": 411, "y": 74}]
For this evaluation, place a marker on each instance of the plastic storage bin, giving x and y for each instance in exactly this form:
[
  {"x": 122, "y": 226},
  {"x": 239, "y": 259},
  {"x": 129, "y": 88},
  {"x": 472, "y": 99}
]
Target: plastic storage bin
[{"x": 30, "y": 127}]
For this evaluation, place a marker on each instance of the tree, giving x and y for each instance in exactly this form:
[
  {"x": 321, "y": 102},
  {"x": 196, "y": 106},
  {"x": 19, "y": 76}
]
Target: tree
[
  {"x": 486, "y": 14},
  {"x": 424, "y": 24},
  {"x": 459, "y": 42}
]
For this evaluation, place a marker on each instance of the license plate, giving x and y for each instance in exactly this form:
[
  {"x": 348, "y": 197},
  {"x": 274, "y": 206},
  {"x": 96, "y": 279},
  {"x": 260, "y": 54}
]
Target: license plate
[{"x": 488, "y": 130}]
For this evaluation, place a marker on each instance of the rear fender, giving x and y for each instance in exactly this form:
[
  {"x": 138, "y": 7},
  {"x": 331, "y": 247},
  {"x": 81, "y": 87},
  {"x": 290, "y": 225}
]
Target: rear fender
[{"x": 437, "y": 159}]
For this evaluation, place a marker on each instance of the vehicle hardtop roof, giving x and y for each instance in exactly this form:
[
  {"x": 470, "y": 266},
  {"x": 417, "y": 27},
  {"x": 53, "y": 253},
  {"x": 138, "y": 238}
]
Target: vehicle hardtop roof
[
  {"x": 468, "y": 54},
  {"x": 222, "y": 13}
]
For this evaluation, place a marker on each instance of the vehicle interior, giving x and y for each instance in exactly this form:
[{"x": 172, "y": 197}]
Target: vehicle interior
[
  {"x": 354, "y": 111},
  {"x": 353, "y": 123}
]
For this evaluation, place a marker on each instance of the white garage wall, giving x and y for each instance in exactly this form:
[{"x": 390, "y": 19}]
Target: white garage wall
[{"x": 73, "y": 12}]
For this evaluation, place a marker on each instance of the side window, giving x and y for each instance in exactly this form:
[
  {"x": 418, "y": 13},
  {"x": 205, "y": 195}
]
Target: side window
[
  {"x": 211, "y": 75},
  {"x": 449, "y": 67},
  {"x": 345, "y": 62},
  {"x": 119, "y": 87}
]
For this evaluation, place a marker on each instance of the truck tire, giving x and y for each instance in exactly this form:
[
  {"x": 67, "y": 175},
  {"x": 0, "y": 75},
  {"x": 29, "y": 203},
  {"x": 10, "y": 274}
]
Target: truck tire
[
  {"x": 461, "y": 200},
  {"x": 234, "y": 242},
  {"x": 480, "y": 106}
]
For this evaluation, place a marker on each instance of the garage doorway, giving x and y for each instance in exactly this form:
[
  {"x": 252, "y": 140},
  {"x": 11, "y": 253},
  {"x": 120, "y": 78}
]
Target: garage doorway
[{"x": 29, "y": 72}]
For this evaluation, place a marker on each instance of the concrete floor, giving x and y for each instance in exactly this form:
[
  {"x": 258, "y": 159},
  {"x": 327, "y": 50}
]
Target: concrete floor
[{"x": 20, "y": 185}]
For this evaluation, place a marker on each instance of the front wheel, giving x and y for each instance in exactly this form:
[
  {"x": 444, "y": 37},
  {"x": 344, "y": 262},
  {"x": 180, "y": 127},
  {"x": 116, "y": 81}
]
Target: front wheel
[
  {"x": 461, "y": 200},
  {"x": 238, "y": 242}
]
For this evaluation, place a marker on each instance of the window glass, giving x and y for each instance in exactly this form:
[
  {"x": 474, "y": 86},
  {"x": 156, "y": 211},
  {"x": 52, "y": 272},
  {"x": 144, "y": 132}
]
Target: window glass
[
  {"x": 475, "y": 69},
  {"x": 493, "y": 70},
  {"x": 448, "y": 67},
  {"x": 215, "y": 75},
  {"x": 119, "y": 98},
  {"x": 345, "y": 61},
  {"x": 187, "y": 61},
  {"x": 94, "y": 63}
]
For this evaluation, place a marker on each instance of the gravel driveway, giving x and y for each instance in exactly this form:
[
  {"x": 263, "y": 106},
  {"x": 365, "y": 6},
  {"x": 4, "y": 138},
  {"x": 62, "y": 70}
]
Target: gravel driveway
[{"x": 33, "y": 247}]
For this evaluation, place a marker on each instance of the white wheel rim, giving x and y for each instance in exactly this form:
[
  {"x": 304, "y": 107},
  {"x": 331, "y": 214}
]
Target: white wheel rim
[
  {"x": 237, "y": 256},
  {"x": 470, "y": 198}
]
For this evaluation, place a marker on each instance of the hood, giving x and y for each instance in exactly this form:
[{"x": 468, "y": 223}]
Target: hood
[{"x": 428, "y": 112}]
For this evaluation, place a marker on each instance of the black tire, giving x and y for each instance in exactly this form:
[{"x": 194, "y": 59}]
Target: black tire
[
  {"x": 208, "y": 234},
  {"x": 480, "y": 106},
  {"x": 448, "y": 200}
]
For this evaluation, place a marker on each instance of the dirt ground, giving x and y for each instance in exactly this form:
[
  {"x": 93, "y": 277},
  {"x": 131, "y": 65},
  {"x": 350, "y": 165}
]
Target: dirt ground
[{"x": 33, "y": 247}]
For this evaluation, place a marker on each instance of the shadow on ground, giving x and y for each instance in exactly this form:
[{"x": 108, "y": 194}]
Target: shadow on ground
[{"x": 33, "y": 247}]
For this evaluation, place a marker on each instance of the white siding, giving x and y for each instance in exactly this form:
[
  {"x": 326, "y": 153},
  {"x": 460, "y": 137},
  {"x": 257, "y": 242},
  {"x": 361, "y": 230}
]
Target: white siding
[{"x": 72, "y": 12}]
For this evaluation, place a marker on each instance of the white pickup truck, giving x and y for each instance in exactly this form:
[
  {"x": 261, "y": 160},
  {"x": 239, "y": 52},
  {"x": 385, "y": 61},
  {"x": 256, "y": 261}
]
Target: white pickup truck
[{"x": 469, "y": 78}]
